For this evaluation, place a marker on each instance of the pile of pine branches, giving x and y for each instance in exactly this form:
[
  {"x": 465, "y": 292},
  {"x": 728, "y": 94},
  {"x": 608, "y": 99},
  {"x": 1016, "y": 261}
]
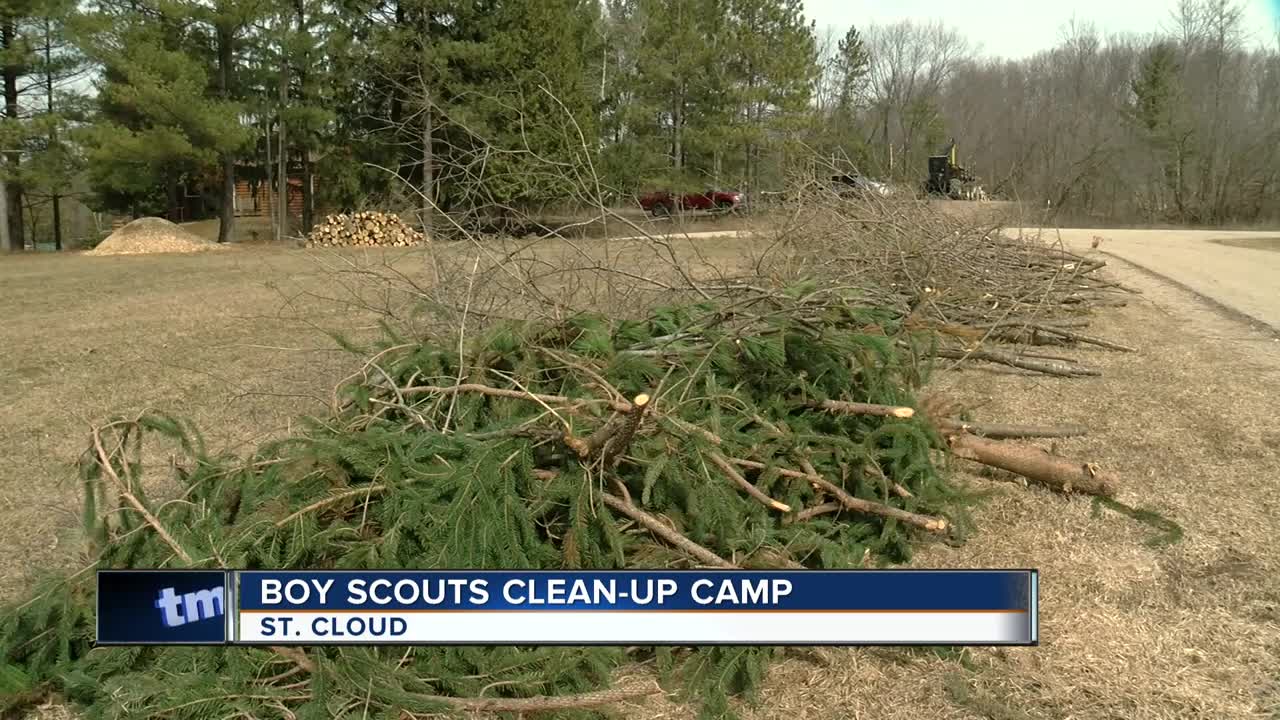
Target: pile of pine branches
[
  {"x": 751, "y": 427},
  {"x": 757, "y": 429}
]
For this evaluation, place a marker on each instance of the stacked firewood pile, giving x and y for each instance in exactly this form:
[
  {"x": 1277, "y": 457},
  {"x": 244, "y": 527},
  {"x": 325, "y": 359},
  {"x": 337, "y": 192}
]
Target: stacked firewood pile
[{"x": 364, "y": 229}]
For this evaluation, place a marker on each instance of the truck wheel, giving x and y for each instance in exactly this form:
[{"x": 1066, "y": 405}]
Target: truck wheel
[{"x": 660, "y": 210}]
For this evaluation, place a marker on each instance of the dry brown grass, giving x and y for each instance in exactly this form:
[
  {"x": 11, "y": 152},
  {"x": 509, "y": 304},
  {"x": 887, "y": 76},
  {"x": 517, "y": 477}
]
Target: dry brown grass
[{"x": 1186, "y": 631}]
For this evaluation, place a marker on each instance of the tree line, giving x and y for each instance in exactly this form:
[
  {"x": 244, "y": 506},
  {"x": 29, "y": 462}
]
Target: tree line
[{"x": 476, "y": 108}]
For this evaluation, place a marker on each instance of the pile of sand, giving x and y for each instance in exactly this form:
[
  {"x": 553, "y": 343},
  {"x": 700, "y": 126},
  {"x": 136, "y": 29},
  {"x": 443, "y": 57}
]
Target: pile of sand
[{"x": 151, "y": 235}]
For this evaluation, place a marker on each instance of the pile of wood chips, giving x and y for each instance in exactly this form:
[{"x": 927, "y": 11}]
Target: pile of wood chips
[
  {"x": 364, "y": 229},
  {"x": 148, "y": 235}
]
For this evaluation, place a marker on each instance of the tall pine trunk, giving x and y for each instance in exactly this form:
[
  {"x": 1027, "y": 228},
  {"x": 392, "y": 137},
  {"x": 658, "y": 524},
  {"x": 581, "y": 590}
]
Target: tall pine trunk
[
  {"x": 677, "y": 130},
  {"x": 308, "y": 193},
  {"x": 269, "y": 209},
  {"x": 227, "y": 216},
  {"x": 428, "y": 163},
  {"x": 4, "y": 210},
  {"x": 55, "y": 199},
  {"x": 282, "y": 174},
  {"x": 17, "y": 239}
]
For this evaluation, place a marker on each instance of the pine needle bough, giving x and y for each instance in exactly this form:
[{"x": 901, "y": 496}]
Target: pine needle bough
[{"x": 754, "y": 429}]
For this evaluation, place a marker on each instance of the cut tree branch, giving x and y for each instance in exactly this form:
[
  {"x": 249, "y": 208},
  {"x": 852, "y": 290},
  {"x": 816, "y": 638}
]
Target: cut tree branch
[
  {"x": 1001, "y": 431},
  {"x": 925, "y": 522},
  {"x": 655, "y": 526},
  {"x": 721, "y": 462},
  {"x": 129, "y": 497},
  {"x": 621, "y": 407},
  {"x": 842, "y": 407},
  {"x": 1022, "y": 363},
  {"x": 549, "y": 703}
]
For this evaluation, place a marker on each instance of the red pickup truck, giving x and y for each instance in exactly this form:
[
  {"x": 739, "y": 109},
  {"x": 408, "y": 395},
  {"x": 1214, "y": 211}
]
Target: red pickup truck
[{"x": 665, "y": 203}]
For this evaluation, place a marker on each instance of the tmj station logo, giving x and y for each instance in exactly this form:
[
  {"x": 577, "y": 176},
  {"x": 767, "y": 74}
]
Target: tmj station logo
[{"x": 190, "y": 607}]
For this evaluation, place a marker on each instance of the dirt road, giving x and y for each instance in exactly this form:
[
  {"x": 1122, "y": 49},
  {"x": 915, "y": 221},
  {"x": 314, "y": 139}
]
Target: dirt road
[{"x": 1239, "y": 270}]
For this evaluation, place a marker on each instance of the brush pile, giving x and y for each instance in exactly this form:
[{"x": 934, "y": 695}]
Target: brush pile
[
  {"x": 747, "y": 425},
  {"x": 753, "y": 430},
  {"x": 364, "y": 229},
  {"x": 989, "y": 296}
]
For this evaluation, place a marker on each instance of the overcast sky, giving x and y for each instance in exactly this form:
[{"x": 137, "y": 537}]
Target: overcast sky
[{"x": 1017, "y": 28}]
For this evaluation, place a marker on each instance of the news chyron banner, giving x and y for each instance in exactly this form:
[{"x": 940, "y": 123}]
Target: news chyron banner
[{"x": 638, "y": 607}]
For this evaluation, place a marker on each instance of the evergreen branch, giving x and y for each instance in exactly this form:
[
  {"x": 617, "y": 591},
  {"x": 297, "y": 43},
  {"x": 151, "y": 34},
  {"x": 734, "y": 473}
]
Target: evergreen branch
[
  {"x": 810, "y": 513},
  {"x": 514, "y": 394},
  {"x": 107, "y": 465},
  {"x": 655, "y": 526},
  {"x": 856, "y": 408},
  {"x": 595, "y": 376},
  {"x": 690, "y": 429},
  {"x": 719, "y": 461},
  {"x": 297, "y": 655},
  {"x": 924, "y": 522},
  {"x": 366, "y": 490},
  {"x": 462, "y": 334},
  {"x": 546, "y": 703}
]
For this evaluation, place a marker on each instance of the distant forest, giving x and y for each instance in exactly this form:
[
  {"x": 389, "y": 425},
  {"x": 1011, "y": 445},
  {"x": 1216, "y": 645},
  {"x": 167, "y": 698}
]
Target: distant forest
[{"x": 129, "y": 106}]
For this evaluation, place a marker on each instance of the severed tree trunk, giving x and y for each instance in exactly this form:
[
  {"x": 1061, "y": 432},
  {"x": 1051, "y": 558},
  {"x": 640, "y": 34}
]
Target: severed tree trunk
[{"x": 1034, "y": 463}]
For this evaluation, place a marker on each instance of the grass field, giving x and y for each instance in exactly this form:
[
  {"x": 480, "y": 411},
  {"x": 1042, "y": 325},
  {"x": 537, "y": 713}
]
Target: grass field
[{"x": 233, "y": 340}]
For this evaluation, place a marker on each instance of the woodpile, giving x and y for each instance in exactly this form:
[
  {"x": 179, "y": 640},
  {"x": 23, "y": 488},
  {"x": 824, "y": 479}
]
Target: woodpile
[{"x": 364, "y": 229}]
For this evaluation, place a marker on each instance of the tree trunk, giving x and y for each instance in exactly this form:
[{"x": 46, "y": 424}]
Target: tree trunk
[
  {"x": 270, "y": 209},
  {"x": 57, "y": 222},
  {"x": 428, "y": 163},
  {"x": 404, "y": 170},
  {"x": 55, "y": 199},
  {"x": 17, "y": 239},
  {"x": 227, "y": 215},
  {"x": 677, "y": 138},
  {"x": 308, "y": 193},
  {"x": 282, "y": 157},
  {"x": 4, "y": 212},
  {"x": 172, "y": 213}
]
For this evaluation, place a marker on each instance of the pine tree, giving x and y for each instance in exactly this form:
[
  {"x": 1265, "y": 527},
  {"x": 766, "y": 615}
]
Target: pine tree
[
  {"x": 775, "y": 60},
  {"x": 167, "y": 112},
  {"x": 536, "y": 106},
  {"x": 16, "y": 55},
  {"x": 852, "y": 65},
  {"x": 1158, "y": 111},
  {"x": 58, "y": 66},
  {"x": 678, "y": 64},
  {"x": 161, "y": 117}
]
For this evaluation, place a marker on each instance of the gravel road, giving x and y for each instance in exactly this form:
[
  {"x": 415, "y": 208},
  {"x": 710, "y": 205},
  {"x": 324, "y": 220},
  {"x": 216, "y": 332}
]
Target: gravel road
[{"x": 1236, "y": 269}]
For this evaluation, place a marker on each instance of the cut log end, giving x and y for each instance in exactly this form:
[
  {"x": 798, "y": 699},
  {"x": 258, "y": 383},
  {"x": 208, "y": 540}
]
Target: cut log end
[{"x": 1059, "y": 473}]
